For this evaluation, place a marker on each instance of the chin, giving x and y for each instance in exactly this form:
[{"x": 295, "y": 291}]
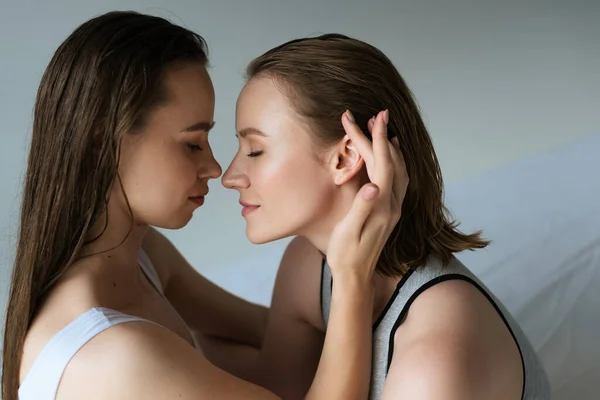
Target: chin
[
  {"x": 263, "y": 236},
  {"x": 173, "y": 222}
]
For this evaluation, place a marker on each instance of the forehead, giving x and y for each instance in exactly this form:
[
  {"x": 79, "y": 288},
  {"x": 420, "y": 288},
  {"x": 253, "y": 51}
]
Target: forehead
[
  {"x": 261, "y": 97},
  {"x": 189, "y": 99},
  {"x": 262, "y": 106},
  {"x": 189, "y": 83}
]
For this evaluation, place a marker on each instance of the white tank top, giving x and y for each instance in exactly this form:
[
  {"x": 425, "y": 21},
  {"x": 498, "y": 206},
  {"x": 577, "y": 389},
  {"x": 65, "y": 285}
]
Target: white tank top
[{"x": 42, "y": 380}]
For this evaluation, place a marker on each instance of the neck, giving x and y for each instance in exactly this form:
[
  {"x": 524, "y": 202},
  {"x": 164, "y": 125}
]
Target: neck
[
  {"x": 320, "y": 230},
  {"x": 117, "y": 239},
  {"x": 107, "y": 271},
  {"x": 320, "y": 237}
]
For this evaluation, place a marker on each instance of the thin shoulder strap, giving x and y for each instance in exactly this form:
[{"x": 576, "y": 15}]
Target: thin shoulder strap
[
  {"x": 150, "y": 271},
  {"x": 41, "y": 383}
]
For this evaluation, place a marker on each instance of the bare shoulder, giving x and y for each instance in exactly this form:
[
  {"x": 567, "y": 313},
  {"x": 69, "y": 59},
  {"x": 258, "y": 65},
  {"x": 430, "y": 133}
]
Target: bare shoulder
[
  {"x": 454, "y": 303},
  {"x": 144, "y": 360},
  {"x": 298, "y": 280},
  {"x": 453, "y": 344}
]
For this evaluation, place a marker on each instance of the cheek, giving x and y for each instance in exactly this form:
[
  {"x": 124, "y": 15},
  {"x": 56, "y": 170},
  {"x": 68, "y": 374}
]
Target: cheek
[
  {"x": 295, "y": 195},
  {"x": 162, "y": 171},
  {"x": 295, "y": 179},
  {"x": 157, "y": 183}
]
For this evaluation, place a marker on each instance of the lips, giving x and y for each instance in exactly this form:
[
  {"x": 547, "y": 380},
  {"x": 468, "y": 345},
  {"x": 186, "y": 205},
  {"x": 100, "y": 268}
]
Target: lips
[
  {"x": 199, "y": 200},
  {"x": 248, "y": 208}
]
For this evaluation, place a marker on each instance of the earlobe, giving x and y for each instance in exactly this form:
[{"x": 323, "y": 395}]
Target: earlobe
[{"x": 347, "y": 162}]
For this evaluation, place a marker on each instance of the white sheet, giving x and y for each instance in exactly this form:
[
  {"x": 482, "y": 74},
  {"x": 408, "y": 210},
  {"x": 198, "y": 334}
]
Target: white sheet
[{"x": 543, "y": 215}]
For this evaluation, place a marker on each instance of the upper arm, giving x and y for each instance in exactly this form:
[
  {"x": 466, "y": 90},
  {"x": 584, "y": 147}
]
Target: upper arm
[
  {"x": 294, "y": 339},
  {"x": 202, "y": 304},
  {"x": 145, "y": 361},
  {"x": 453, "y": 345},
  {"x": 433, "y": 369}
]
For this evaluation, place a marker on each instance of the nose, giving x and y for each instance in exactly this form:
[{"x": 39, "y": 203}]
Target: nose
[
  {"x": 234, "y": 177},
  {"x": 210, "y": 169}
]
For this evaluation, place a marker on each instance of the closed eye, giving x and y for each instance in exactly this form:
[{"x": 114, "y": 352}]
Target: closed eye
[
  {"x": 255, "y": 153},
  {"x": 194, "y": 147}
]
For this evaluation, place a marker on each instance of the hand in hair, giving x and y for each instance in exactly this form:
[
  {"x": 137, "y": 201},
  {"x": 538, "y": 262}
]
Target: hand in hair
[{"x": 358, "y": 239}]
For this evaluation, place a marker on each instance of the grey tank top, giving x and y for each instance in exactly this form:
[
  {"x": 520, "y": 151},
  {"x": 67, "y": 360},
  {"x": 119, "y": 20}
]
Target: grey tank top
[{"x": 415, "y": 282}]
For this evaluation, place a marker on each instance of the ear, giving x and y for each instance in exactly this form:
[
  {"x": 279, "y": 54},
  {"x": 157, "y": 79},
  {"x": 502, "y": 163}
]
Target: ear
[{"x": 346, "y": 161}]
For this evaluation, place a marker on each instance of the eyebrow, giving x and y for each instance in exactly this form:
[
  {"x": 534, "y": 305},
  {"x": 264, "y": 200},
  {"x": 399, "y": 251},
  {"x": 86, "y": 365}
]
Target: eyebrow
[
  {"x": 250, "y": 131},
  {"x": 199, "y": 126}
]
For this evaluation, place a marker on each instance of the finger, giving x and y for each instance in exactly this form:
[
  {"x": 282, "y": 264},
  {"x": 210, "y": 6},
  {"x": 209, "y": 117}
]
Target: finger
[
  {"x": 370, "y": 125},
  {"x": 381, "y": 149},
  {"x": 363, "y": 145},
  {"x": 400, "y": 180},
  {"x": 361, "y": 208}
]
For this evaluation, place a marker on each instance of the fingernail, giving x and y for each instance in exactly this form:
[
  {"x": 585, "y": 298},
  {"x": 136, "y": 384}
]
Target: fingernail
[
  {"x": 350, "y": 116},
  {"x": 386, "y": 116},
  {"x": 396, "y": 141},
  {"x": 370, "y": 193}
]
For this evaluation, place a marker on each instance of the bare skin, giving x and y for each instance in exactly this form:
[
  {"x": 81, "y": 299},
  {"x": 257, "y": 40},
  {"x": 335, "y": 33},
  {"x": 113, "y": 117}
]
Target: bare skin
[
  {"x": 161, "y": 170},
  {"x": 452, "y": 344}
]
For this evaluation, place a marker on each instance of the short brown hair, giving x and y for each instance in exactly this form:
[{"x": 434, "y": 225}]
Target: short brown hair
[{"x": 326, "y": 75}]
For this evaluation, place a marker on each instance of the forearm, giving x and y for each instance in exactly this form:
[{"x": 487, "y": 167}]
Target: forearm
[
  {"x": 238, "y": 359},
  {"x": 211, "y": 310},
  {"x": 204, "y": 306},
  {"x": 345, "y": 365},
  {"x": 246, "y": 327}
]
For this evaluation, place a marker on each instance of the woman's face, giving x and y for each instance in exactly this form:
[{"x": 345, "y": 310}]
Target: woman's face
[
  {"x": 285, "y": 184},
  {"x": 165, "y": 169}
]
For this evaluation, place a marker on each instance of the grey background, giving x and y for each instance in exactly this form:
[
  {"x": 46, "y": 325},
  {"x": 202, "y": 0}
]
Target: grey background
[{"x": 497, "y": 81}]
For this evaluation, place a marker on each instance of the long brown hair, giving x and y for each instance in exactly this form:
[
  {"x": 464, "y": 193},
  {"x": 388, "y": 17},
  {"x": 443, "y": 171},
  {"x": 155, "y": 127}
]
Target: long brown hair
[
  {"x": 101, "y": 83},
  {"x": 326, "y": 75}
]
